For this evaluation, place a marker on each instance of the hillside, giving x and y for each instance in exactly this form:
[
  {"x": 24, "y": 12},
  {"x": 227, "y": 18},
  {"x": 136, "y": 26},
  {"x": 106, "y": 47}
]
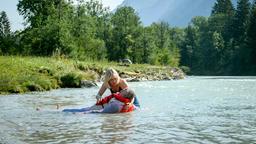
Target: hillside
[{"x": 175, "y": 12}]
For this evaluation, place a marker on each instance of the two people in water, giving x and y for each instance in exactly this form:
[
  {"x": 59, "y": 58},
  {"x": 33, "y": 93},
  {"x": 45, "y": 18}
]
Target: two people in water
[{"x": 122, "y": 98}]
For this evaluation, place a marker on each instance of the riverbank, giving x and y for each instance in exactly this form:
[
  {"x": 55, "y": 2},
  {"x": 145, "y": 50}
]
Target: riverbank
[{"x": 24, "y": 74}]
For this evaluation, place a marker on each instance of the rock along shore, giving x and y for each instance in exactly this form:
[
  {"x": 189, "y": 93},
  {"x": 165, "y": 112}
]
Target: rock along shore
[{"x": 137, "y": 76}]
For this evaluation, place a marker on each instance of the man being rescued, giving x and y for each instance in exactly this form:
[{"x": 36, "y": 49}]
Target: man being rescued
[{"x": 115, "y": 103}]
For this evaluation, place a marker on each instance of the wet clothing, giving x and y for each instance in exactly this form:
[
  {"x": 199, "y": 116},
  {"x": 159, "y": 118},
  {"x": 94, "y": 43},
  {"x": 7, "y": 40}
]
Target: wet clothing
[
  {"x": 135, "y": 102},
  {"x": 113, "y": 103},
  {"x": 77, "y": 110},
  {"x": 124, "y": 103}
]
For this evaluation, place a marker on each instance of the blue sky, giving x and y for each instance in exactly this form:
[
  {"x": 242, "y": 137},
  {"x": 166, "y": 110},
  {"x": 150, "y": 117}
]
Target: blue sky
[{"x": 9, "y": 6}]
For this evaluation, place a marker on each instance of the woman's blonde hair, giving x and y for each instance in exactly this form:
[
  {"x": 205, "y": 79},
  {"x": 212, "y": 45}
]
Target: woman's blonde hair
[{"x": 109, "y": 73}]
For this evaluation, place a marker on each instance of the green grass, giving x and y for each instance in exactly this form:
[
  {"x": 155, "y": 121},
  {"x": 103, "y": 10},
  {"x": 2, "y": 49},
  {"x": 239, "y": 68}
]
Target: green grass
[{"x": 23, "y": 74}]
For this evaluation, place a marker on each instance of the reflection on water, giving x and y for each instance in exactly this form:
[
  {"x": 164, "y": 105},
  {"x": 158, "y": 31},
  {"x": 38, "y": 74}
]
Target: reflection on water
[{"x": 194, "y": 110}]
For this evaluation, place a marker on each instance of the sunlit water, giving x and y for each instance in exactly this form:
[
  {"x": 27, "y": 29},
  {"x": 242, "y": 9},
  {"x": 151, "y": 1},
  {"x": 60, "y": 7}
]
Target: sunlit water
[{"x": 193, "y": 110}]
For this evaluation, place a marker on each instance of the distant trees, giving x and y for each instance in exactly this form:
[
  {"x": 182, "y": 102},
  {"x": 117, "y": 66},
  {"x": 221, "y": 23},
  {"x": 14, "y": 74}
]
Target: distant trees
[
  {"x": 222, "y": 44},
  {"x": 251, "y": 40},
  {"x": 166, "y": 51},
  {"x": 59, "y": 27},
  {"x": 87, "y": 30}
]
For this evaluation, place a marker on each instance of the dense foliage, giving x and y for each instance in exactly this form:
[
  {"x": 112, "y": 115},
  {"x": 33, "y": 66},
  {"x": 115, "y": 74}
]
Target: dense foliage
[
  {"x": 221, "y": 44},
  {"x": 224, "y": 43}
]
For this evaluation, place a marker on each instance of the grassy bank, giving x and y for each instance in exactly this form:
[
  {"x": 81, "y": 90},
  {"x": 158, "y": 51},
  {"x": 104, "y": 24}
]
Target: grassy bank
[{"x": 23, "y": 74}]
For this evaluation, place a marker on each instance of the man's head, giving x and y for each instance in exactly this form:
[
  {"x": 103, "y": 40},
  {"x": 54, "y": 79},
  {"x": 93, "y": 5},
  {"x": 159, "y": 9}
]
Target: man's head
[{"x": 128, "y": 93}]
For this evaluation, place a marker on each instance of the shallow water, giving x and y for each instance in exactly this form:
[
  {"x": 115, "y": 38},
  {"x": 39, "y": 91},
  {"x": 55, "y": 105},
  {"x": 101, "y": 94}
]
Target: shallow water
[{"x": 193, "y": 110}]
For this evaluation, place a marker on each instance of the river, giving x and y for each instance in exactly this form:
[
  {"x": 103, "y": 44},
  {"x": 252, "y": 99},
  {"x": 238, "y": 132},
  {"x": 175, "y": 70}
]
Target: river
[{"x": 193, "y": 110}]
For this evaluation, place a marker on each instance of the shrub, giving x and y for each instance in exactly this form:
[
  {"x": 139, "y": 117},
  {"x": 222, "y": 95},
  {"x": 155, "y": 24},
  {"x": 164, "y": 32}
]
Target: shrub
[
  {"x": 185, "y": 69},
  {"x": 31, "y": 86},
  {"x": 71, "y": 80}
]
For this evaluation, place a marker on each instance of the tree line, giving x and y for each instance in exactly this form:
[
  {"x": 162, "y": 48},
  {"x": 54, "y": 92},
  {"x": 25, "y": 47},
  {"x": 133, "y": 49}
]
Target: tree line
[{"x": 221, "y": 44}]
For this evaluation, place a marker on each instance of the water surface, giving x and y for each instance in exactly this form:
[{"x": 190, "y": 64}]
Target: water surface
[{"x": 193, "y": 110}]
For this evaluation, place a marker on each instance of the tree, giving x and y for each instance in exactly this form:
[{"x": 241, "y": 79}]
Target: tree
[
  {"x": 6, "y": 37},
  {"x": 222, "y": 13},
  {"x": 161, "y": 32},
  {"x": 252, "y": 40},
  {"x": 125, "y": 24},
  {"x": 36, "y": 12},
  {"x": 189, "y": 46},
  {"x": 42, "y": 36},
  {"x": 165, "y": 51},
  {"x": 223, "y": 7},
  {"x": 4, "y": 25},
  {"x": 195, "y": 44},
  {"x": 240, "y": 21},
  {"x": 239, "y": 29},
  {"x": 101, "y": 15}
]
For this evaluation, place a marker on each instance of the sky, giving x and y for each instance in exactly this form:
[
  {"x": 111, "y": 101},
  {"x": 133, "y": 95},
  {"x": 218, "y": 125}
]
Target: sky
[{"x": 10, "y": 7}]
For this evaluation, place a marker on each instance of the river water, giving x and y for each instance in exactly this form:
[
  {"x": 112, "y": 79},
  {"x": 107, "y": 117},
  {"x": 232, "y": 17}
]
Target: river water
[{"x": 193, "y": 110}]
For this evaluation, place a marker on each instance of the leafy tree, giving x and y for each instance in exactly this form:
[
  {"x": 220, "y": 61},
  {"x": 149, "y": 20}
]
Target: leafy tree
[
  {"x": 165, "y": 51},
  {"x": 87, "y": 30},
  {"x": 142, "y": 45},
  {"x": 125, "y": 24},
  {"x": 48, "y": 25},
  {"x": 101, "y": 15},
  {"x": 161, "y": 32},
  {"x": 177, "y": 36},
  {"x": 194, "y": 44},
  {"x": 83, "y": 31},
  {"x": 36, "y": 12}
]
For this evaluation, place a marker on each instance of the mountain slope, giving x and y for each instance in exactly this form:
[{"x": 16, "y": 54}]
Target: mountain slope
[{"x": 175, "y": 12}]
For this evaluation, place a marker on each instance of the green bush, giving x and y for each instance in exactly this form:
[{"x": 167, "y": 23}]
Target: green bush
[
  {"x": 16, "y": 89},
  {"x": 46, "y": 70},
  {"x": 31, "y": 86},
  {"x": 185, "y": 69},
  {"x": 71, "y": 80}
]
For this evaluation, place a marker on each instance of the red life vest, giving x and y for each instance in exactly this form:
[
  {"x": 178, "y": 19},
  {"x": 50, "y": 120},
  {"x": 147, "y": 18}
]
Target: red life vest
[{"x": 128, "y": 107}]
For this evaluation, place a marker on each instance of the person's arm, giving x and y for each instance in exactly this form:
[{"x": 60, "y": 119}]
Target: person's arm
[
  {"x": 101, "y": 91},
  {"x": 105, "y": 100},
  {"x": 121, "y": 98}
]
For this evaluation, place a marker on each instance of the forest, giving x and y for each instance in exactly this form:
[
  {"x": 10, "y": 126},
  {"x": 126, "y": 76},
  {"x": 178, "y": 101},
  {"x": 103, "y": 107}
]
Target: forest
[{"x": 222, "y": 44}]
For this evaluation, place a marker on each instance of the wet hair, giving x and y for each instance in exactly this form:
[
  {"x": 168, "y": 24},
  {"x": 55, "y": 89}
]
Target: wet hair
[
  {"x": 109, "y": 73},
  {"x": 128, "y": 93}
]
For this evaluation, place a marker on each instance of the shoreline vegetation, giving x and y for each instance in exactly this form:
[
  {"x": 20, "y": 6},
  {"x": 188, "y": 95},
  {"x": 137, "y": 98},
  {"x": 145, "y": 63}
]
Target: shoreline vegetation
[
  {"x": 221, "y": 44},
  {"x": 27, "y": 74}
]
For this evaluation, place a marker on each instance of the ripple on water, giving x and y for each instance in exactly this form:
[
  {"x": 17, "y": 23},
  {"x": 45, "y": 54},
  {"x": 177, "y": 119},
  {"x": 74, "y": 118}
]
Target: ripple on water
[{"x": 194, "y": 110}]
